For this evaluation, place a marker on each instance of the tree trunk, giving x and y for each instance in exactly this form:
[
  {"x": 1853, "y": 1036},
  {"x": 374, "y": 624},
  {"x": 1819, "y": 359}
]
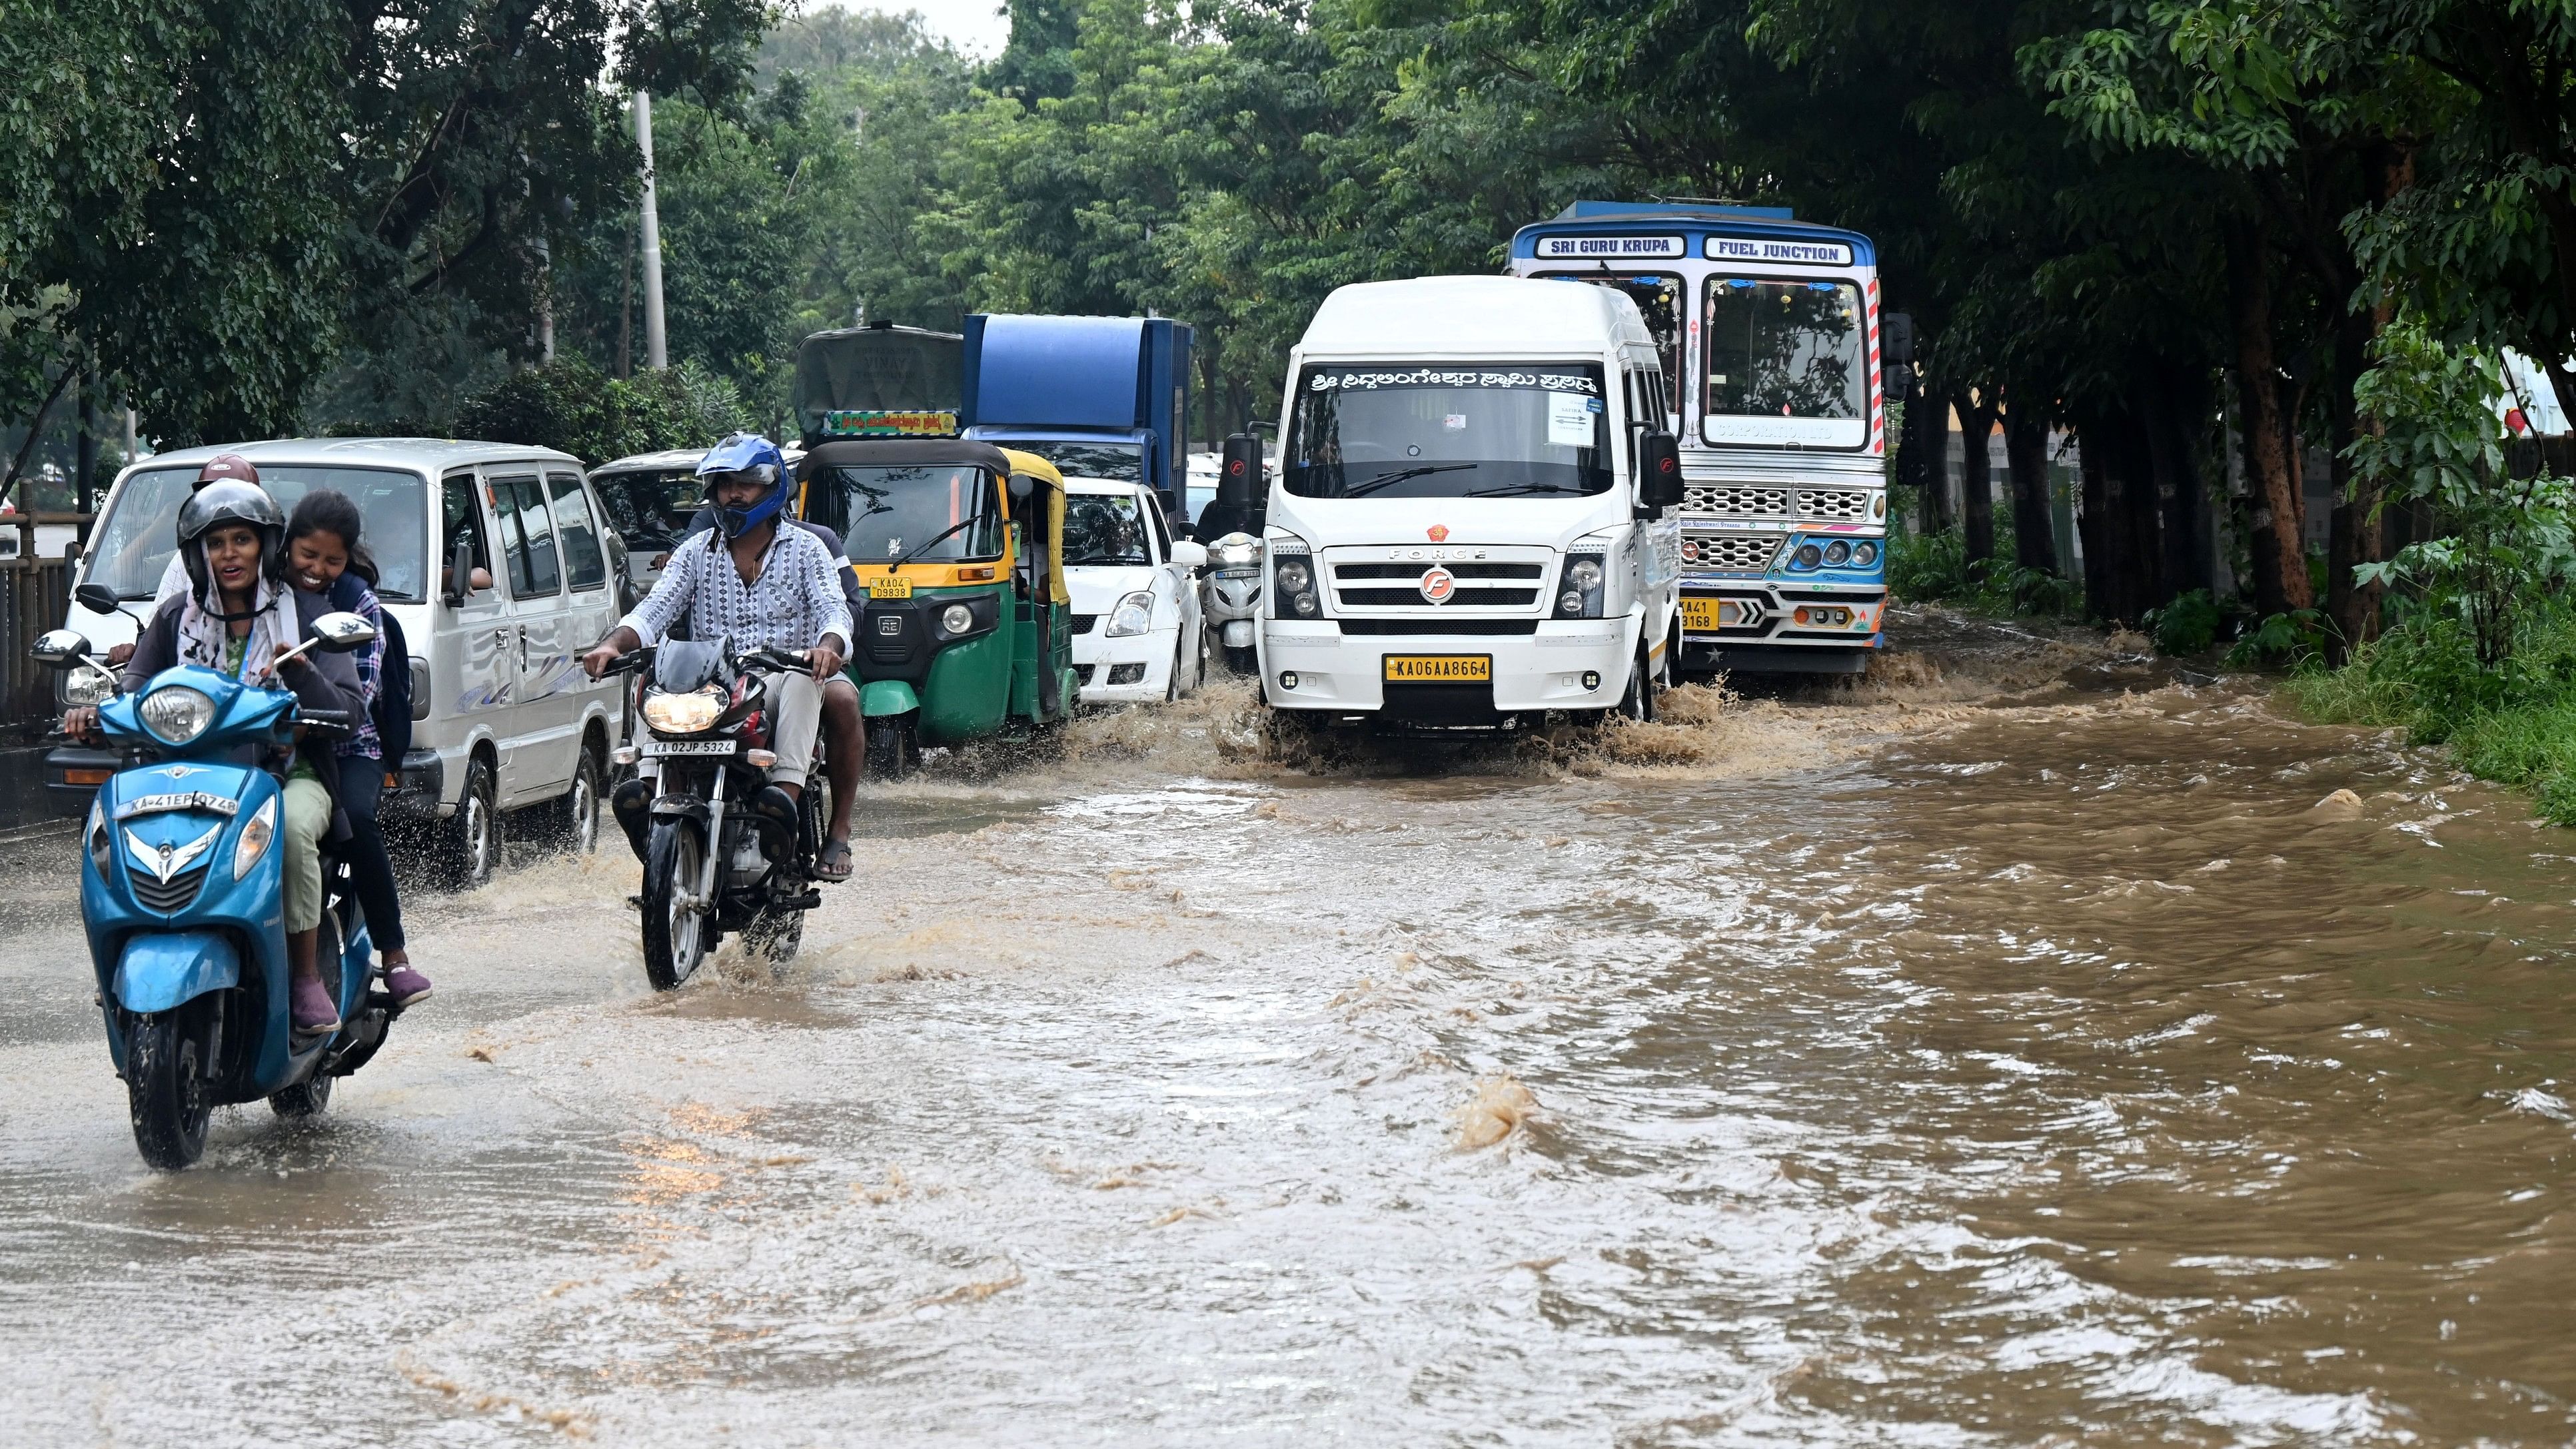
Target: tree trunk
[
  {"x": 2026, "y": 461},
  {"x": 2181, "y": 525},
  {"x": 1976, "y": 481},
  {"x": 2092, "y": 515},
  {"x": 1932, "y": 435},
  {"x": 2358, "y": 536},
  {"x": 2279, "y": 560}
]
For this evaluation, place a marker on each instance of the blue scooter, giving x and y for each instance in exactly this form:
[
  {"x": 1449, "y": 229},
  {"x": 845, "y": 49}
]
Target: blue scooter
[{"x": 182, "y": 894}]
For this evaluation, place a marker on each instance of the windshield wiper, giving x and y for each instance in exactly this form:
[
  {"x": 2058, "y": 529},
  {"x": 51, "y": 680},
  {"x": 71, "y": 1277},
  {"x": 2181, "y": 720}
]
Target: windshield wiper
[
  {"x": 1388, "y": 480},
  {"x": 1509, "y": 489},
  {"x": 933, "y": 541}
]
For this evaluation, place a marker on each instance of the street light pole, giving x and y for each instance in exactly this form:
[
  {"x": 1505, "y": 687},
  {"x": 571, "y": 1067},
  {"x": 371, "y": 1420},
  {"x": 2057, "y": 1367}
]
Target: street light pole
[{"x": 656, "y": 349}]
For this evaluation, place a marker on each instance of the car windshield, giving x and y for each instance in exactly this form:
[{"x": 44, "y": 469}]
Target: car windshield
[
  {"x": 132, "y": 545},
  {"x": 1784, "y": 363},
  {"x": 1117, "y": 462},
  {"x": 1448, "y": 430},
  {"x": 882, "y": 514},
  {"x": 650, "y": 509},
  {"x": 1104, "y": 528}
]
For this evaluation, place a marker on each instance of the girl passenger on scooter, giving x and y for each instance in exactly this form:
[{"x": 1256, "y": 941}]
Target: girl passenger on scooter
[
  {"x": 325, "y": 558},
  {"x": 238, "y": 616}
]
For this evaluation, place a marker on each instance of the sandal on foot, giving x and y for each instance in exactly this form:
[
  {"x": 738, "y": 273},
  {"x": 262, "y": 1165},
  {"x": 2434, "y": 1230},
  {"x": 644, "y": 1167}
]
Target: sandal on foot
[{"x": 833, "y": 866}]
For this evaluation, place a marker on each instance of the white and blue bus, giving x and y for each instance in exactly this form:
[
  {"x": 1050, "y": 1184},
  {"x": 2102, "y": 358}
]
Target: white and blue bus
[{"x": 1769, "y": 331}]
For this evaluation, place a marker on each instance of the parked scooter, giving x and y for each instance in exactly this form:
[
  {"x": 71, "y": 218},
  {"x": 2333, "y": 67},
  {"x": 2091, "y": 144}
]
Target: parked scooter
[
  {"x": 710, "y": 864},
  {"x": 181, "y": 894},
  {"x": 1230, "y": 596}
]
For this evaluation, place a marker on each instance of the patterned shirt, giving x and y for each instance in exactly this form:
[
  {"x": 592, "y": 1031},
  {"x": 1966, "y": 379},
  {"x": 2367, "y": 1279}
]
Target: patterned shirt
[
  {"x": 791, "y": 606},
  {"x": 351, "y": 593}
]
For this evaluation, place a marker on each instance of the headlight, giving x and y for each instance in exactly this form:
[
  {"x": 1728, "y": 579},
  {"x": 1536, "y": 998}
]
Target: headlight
[
  {"x": 957, "y": 618},
  {"x": 1584, "y": 574},
  {"x": 1864, "y": 554},
  {"x": 101, "y": 844},
  {"x": 177, "y": 714},
  {"x": 1134, "y": 615},
  {"x": 1809, "y": 555},
  {"x": 1235, "y": 555},
  {"x": 682, "y": 714},
  {"x": 1837, "y": 551},
  {"x": 88, "y": 684},
  {"x": 1294, "y": 577},
  {"x": 1581, "y": 595},
  {"x": 255, "y": 837},
  {"x": 1292, "y": 585}
]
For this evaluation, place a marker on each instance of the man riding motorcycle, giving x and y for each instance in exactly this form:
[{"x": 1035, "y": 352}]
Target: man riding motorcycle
[{"x": 755, "y": 583}]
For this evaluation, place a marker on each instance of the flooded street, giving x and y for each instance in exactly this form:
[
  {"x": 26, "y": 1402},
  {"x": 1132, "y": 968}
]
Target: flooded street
[{"x": 2024, "y": 1049}]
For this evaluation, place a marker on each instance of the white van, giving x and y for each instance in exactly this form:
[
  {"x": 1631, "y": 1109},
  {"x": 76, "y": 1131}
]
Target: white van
[
  {"x": 1456, "y": 533},
  {"x": 496, "y": 564}
]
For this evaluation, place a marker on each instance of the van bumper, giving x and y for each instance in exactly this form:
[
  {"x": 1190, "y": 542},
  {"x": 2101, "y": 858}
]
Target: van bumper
[
  {"x": 1542, "y": 670},
  {"x": 417, "y": 788}
]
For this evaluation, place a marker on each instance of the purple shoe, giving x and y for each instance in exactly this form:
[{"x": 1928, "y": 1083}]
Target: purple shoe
[
  {"x": 309, "y": 1006},
  {"x": 405, "y": 985}
]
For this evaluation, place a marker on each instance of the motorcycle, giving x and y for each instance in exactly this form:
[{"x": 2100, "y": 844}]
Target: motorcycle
[
  {"x": 711, "y": 865},
  {"x": 182, "y": 891},
  {"x": 1232, "y": 599}
]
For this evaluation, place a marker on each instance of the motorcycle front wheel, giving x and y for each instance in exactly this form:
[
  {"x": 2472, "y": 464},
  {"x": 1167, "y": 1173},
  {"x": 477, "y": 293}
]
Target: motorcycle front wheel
[
  {"x": 675, "y": 933},
  {"x": 165, "y": 1086}
]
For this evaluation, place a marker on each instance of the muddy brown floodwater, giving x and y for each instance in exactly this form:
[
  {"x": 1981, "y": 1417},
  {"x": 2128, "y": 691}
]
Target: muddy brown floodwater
[{"x": 2024, "y": 1048}]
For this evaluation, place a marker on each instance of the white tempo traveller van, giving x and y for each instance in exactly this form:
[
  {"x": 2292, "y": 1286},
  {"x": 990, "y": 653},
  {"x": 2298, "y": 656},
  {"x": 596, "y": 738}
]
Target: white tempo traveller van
[
  {"x": 1457, "y": 533},
  {"x": 496, "y": 564}
]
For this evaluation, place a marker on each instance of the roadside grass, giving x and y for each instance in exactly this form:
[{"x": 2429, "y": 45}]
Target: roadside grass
[
  {"x": 2512, "y": 722},
  {"x": 1935, "y": 568}
]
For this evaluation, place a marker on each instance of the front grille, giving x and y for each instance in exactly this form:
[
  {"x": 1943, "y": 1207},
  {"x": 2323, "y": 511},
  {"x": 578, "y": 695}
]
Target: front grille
[
  {"x": 1082, "y": 622},
  {"x": 1842, "y": 505},
  {"x": 1343, "y": 572},
  {"x": 1462, "y": 598},
  {"x": 1733, "y": 553},
  {"x": 1726, "y": 498},
  {"x": 169, "y": 898},
  {"x": 1439, "y": 626}
]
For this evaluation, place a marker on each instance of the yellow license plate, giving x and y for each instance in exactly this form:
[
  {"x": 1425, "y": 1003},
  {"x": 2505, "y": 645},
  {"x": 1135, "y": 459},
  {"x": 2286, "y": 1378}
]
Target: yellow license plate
[
  {"x": 1440, "y": 668},
  {"x": 889, "y": 586},
  {"x": 1707, "y": 616}
]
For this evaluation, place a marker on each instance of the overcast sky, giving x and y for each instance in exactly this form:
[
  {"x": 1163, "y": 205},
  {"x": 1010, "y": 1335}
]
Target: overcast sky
[{"x": 976, "y": 26}]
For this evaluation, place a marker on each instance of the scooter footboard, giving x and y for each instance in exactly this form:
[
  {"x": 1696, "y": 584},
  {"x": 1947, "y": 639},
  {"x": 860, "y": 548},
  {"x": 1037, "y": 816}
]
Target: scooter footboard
[{"x": 161, "y": 969}]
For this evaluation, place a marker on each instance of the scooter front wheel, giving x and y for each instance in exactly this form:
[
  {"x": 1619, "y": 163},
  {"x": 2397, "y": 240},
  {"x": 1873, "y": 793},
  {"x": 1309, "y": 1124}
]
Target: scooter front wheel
[
  {"x": 165, "y": 1087},
  {"x": 675, "y": 932}
]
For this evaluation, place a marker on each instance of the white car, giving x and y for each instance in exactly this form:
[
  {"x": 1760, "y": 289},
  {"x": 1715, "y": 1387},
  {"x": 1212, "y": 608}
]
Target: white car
[{"x": 1137, "y": 631}]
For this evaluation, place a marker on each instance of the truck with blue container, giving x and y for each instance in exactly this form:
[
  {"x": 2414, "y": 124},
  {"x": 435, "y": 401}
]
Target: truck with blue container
[
  {"x": 1771, "y": 339},
  {"x": 1099, "y": 397}
]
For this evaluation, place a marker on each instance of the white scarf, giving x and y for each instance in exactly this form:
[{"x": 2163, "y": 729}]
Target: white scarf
[{"x": 204, "y": 640}]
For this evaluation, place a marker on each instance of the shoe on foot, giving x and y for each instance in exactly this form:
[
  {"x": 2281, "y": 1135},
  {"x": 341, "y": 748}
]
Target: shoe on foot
[
  {"x": 309, "y": 1006},
  {"x": 405, "y": 985}
]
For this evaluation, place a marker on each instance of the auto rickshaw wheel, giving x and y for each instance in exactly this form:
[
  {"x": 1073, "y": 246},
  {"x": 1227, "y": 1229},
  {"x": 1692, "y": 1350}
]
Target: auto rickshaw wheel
[{"x": 894, "y": 746}]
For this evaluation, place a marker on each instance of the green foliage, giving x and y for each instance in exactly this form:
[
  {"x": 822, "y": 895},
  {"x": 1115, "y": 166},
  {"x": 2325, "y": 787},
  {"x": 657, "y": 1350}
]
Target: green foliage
[
  {"x": 2432, "y": 435},
  {"x": 577, "y": 408},
  {"x": 1935, "y": 568},
  {"x": 2294, "y": 636},
  {"x": 2188, "y": 625}
]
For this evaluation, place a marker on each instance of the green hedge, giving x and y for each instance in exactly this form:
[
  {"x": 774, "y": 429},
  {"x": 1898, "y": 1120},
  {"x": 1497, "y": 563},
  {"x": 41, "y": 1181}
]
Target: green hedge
[{"x": 575, "y": 407}]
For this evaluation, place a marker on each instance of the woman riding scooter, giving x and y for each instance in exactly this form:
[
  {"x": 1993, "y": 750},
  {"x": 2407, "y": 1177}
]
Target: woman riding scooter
[
  {"x": 325, "y": 558},
  {"x": 237, "y": 618}
]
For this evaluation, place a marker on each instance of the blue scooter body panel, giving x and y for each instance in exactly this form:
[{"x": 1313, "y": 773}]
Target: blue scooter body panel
[{"x": 161, "y": 969}]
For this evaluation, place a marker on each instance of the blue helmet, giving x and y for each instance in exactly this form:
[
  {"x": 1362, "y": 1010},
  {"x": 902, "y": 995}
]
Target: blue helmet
[{"x": 751, "y": 455}]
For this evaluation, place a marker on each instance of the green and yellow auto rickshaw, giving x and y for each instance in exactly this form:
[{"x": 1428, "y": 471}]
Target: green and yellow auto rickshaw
[{"x": 968, "y": 628}]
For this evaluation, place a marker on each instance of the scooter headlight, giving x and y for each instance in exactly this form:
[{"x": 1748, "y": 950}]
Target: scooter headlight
[
  {"x": 255, "y": 837},
  {"x": 177, "y": 714},
  {"x": 1134, "y": 615},
  {"x": 682, "y": 714},
  {"x": 101, "y": 844}
]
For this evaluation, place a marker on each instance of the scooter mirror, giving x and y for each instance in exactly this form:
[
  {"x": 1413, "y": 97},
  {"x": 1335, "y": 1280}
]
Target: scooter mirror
[
  {"x": 60, "y": 648},
  {"x": 97, "y": 598},
  {"x": 340, "y": 633}
]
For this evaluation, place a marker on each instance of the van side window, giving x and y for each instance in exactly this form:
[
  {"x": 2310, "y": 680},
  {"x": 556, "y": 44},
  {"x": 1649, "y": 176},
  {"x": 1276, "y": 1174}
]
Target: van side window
[
  {"x": 527, "y": 537},
  {"x": 582, "y": 557},
  {"x": 460, "y": 519}
]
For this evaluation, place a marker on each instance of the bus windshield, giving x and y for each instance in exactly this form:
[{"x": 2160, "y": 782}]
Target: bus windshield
[
  {"x": 133, "y": 543},
  {"x": 1658, "y": 296},
  {"x": 1784, "y": 363},
  {"x": 1448, "y": 430},
  {"x": 884, "y": 513}
]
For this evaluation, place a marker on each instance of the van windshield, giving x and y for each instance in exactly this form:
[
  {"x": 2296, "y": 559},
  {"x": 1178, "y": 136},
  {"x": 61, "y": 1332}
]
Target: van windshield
[
  {"x": 133, "y": 543},
  {"x": 1448, "y": 430},
  {"x": 884, "y": 513}
]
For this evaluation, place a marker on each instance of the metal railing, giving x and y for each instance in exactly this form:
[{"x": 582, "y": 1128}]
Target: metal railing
[{"x": 35, "y": 595}]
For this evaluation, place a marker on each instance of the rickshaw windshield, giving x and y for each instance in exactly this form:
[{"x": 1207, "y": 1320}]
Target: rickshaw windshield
[{"x": 884, "y": 513}]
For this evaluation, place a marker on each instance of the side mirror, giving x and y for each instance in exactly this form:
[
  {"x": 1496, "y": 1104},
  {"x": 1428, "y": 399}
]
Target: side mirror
[
  {"x": 340, "y": 633},
  {"x": 1189, "y": 555},
  {"x": 460, "y": 571},
  {"x": 1022, "y": 485},
  {"x": 1242, "y": 484},
  {"x": 1659, "y": 472},
  {"x": 61, "y": 648},
  {"x": 97, "y": 598},
  {"x": 1896, "y": 339}
]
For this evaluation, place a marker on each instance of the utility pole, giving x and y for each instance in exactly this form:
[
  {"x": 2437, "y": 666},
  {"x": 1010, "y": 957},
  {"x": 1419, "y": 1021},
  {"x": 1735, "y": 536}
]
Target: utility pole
[{"x": 656, "y": 349}]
